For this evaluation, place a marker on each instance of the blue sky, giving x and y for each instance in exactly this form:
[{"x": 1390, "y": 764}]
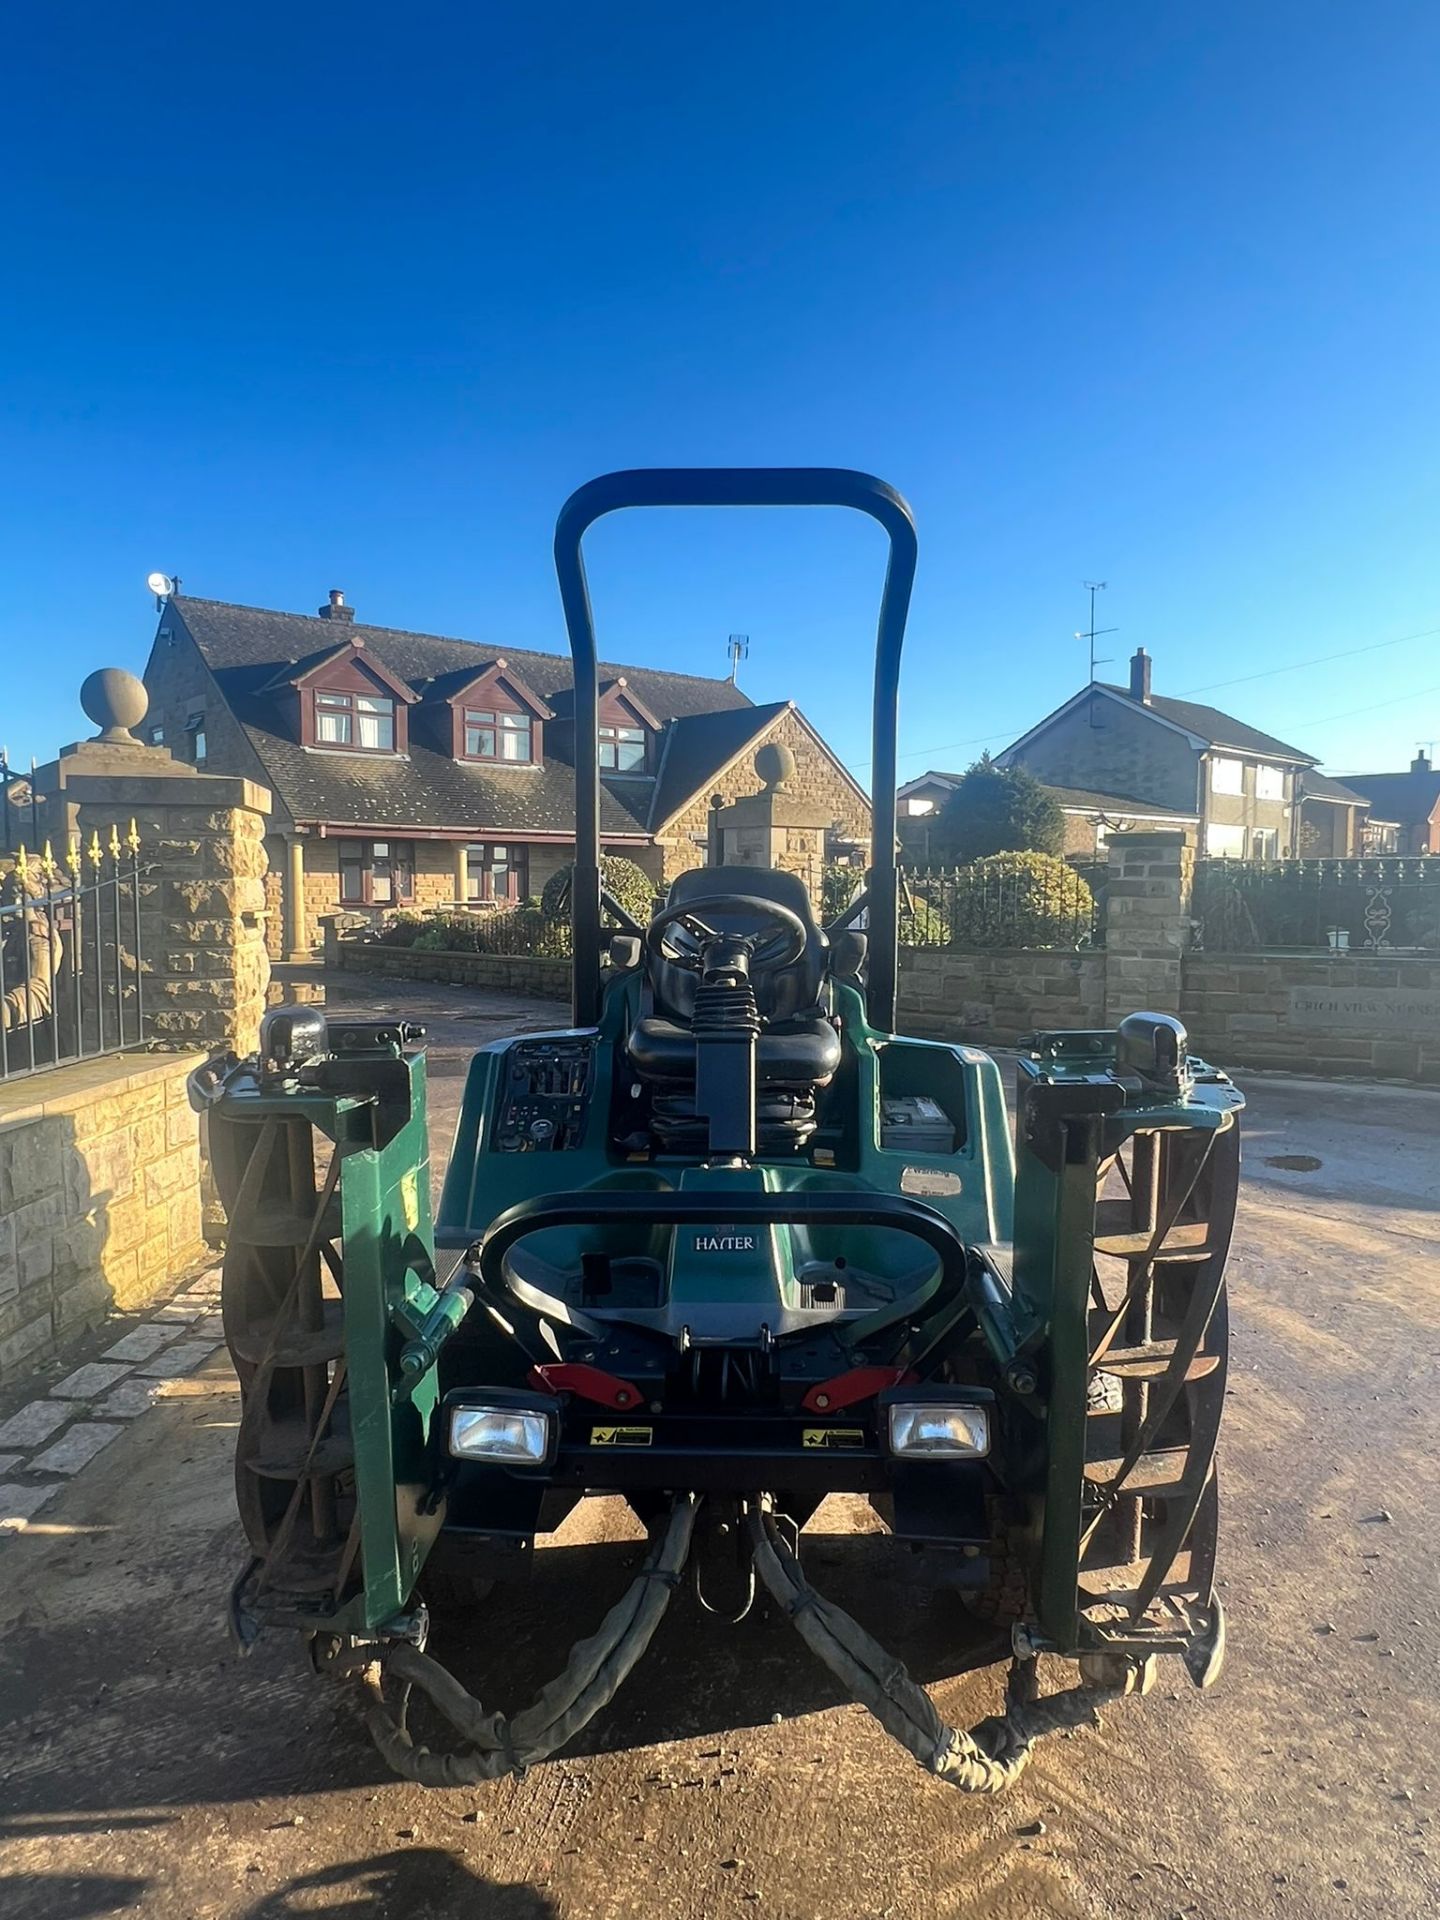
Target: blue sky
[{"x": 308, "y": 297}]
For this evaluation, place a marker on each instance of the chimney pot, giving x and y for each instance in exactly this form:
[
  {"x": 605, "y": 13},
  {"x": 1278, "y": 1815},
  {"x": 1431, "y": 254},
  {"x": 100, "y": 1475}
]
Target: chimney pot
[
  {"x": 336, "y": 609},
  {"x": 1140, "y": 665},
  {"x": 1421, "y": 762}
]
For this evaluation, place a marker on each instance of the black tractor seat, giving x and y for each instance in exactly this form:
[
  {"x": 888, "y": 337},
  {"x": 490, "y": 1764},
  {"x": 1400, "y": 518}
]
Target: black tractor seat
[{"x": 798, "y": 1049}]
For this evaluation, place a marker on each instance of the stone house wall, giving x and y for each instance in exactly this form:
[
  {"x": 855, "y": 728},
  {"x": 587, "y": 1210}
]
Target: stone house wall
[
  {"x": 179, "y": 683},
  {"x": 1124, "y": 751},
  {"x": 817, "y": 778},
  {"x": 99, "y": 1198}
]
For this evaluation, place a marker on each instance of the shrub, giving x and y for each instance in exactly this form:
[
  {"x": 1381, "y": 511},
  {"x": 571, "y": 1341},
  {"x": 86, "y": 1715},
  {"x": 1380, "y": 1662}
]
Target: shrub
[
  {"x": 837, "y": 889},
  {"x": 1019, "y": 900},
  {"x": 631, "y": 886},
  {"x": 921, "y": 924},
  {"x": 997, "y": 810}
]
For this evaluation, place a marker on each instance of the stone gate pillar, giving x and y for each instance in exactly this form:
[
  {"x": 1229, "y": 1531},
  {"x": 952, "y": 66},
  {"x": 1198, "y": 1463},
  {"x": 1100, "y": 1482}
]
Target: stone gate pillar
[
  {"x": 202, "y": 969},
  {"x": 776, "y": 827},
  {"x": 1147, "y": 922}
]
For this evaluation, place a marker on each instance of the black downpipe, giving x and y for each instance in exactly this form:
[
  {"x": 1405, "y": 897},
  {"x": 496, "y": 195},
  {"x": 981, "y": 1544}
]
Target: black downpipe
[{"x": 737, "y": 487}]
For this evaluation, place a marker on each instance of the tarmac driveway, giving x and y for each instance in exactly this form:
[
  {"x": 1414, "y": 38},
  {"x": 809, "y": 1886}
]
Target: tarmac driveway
[{"x": 143, "y": 1766}]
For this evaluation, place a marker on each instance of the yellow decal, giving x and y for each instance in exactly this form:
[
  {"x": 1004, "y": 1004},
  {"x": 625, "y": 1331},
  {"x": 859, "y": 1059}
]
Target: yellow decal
[
  {"x": 833, "y": 1437},
  {"x": 410, "y": 1200},
  {"x": 621, "y": 1436}
]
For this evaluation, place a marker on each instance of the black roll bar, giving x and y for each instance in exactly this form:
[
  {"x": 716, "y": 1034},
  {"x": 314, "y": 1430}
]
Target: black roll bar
[
  {"x": 737, "y": 487},
  {"x": 717, "y": 1208}
]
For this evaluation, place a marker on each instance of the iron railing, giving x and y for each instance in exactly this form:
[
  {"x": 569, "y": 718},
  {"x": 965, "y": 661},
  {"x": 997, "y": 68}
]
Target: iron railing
[
  {"x": 71, "y": 955},
  {"x": 1381, "y": 904},
  {"x": 999, "y": 903}
]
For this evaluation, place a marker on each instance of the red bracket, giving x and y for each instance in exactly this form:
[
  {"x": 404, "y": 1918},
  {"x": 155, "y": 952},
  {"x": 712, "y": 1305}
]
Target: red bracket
[
  {"x": 860, "y": 1383},
  {"x": 590, "y": 1383}
]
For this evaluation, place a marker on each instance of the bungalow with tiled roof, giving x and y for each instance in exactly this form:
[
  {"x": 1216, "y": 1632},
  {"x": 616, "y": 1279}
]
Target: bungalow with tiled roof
[{"x": 407, "y": 768}]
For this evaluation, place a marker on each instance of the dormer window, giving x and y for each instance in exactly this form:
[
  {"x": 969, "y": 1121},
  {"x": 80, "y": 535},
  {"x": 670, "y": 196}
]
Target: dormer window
[
  {"x": 490, "y": 716},
  {"x": 493, "y": 735},
  {"x": 343, "y": 699},
  {"x": 360, "y": 720},
  {"x": 623, "y": 749}
]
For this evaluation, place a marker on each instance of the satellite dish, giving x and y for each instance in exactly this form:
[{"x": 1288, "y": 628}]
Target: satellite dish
[{"x": 160, "y": 584}]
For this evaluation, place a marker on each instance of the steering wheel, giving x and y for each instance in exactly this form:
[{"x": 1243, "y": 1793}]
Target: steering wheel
[{"x": 787, "y": 943}]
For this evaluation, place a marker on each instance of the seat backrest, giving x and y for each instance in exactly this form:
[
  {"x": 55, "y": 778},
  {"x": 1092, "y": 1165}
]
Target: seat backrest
[{"x": 779, "y": 994}]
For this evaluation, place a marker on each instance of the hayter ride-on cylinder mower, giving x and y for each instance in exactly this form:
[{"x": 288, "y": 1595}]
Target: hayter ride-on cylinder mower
[{"x": 729, "y": 1244}]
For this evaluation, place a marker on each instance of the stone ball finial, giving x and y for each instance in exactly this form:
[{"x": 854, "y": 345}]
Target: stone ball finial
[
  {"x": 775, "y": 764},
  {"x": 116, "y": 701}
]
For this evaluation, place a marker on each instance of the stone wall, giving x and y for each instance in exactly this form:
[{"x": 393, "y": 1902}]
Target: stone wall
[
  {"x": 998, "y": 998},
  {"x": 1374, "y": 1015},
  {"x": 99, "y": 1198},
  {"x": 500, "y": 972}
]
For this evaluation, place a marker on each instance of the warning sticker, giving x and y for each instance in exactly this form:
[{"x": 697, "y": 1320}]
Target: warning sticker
[
  {"x": 833, "y": 1437},
  {"x": 621, "y": 1436}
]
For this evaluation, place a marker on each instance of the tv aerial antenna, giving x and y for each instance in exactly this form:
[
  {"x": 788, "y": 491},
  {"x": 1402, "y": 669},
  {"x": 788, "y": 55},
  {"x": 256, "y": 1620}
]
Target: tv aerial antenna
[
  {"x": 1094, "y": 633},
  {"x": 738, "y": 648}
]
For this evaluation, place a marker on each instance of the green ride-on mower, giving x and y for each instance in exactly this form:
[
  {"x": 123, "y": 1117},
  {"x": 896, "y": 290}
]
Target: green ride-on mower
[{"x": 726, "y": 1245}]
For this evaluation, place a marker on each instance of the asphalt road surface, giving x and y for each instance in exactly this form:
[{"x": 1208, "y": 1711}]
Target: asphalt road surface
[{"x": 143, "y": 1766}]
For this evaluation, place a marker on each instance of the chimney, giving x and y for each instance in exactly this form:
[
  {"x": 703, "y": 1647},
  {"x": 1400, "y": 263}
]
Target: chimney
[
  {"x": 1140, "y": 664},
  {"x": 1421, "y": 763},
  {"x": 337, "y": 609}
]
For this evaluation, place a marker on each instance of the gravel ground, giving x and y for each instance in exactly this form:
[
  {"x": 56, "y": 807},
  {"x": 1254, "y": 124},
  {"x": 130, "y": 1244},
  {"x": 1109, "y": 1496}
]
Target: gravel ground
[{"x": 144, "y": 1767}]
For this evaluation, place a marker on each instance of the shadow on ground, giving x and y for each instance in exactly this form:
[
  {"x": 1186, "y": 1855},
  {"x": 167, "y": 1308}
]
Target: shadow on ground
[
  {"x": 110, "y": 1716},
  {"x": 411, "y": 1881}
]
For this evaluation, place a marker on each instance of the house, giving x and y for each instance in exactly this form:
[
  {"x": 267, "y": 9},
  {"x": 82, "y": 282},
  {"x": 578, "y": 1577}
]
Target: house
[
  {"x": 407, "y": 768},
  {"x": 1334, "y": 822},
  {"x": 1241, "y": 786},
  {"x": 1090, "y": 816},
  {"x": 1410, "y": 802}
]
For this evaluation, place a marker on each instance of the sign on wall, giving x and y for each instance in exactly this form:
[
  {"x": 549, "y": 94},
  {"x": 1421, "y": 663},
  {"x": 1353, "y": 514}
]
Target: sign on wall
[{"x": 1366, "y": 1010}]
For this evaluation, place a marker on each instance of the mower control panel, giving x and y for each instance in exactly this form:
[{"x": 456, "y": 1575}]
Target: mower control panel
[{"x": 546, "y": 1091}]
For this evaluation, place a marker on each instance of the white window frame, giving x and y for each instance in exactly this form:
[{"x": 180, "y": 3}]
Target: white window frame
[
  {"x": 1217, "y": 785},
  {"x": 1264, "y": 843},
  {"x": 1269, "y": 782}
]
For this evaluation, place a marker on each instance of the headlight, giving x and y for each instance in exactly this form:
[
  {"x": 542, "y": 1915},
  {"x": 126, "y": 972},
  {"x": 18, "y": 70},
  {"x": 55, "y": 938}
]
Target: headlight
[
  {"x": 505, "y": 1436},
  {"x": 934, "y": 1430}
]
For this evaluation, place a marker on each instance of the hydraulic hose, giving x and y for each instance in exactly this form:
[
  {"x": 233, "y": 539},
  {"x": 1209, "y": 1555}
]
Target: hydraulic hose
[
  {"x": 596, "y": 1669},
  {"x": 987, "y": 1760}
]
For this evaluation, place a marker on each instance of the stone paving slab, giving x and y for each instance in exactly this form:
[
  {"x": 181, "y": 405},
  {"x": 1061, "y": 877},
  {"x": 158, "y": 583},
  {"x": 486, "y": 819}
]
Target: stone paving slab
[
  {"x": 19, "y": 1504},
  {"x": 183, "y": 1358},
  {"x": 35, "y": 1423},
  {"x": 181, "y": 1312},
  {"x": 130, "y": 1398},
  {"x": 140, "y": 1343},
  {"x": 9, "y": 1462},
  {"x": 77, "y": 1448},
  {"x": 86, "y": 1382}
]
